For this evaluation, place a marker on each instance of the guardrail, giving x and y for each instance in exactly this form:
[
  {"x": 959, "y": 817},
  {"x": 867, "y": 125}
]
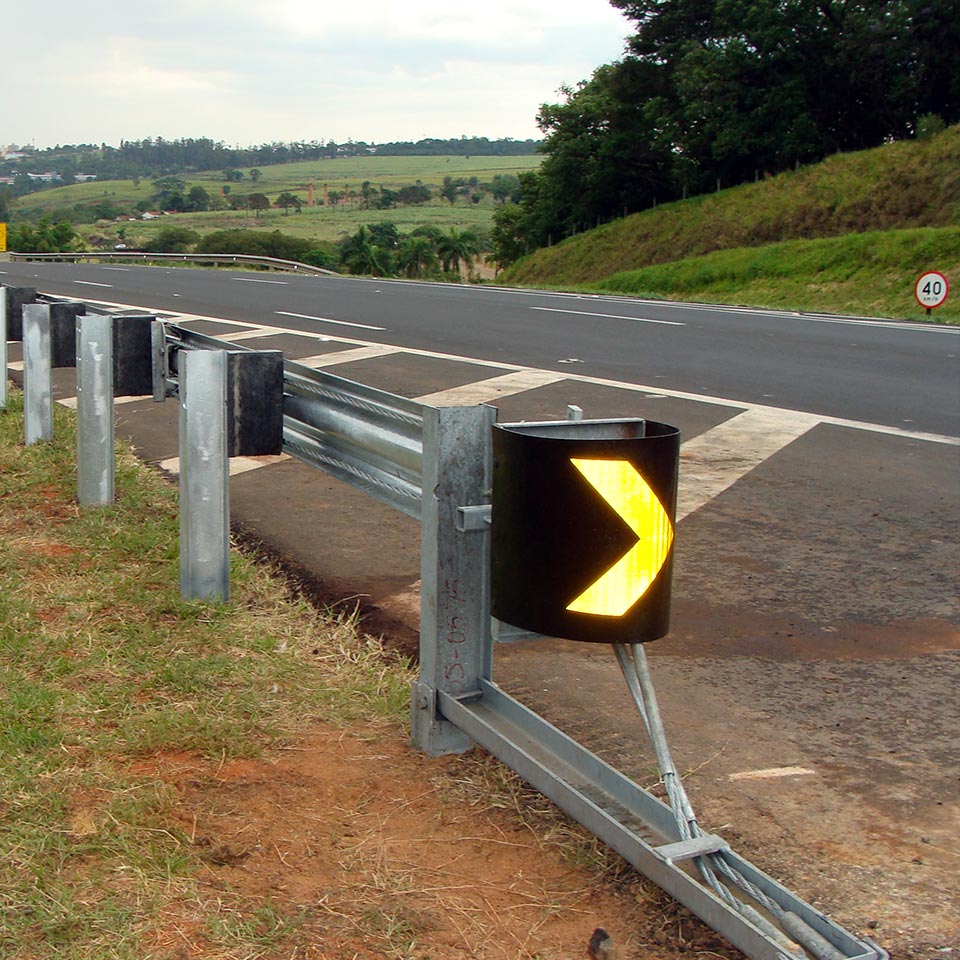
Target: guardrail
[
  {"x": 435, "y": 464},
  {"x": 217, "y": 259}
]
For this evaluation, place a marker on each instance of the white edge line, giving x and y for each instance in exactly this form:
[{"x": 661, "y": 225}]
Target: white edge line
[{"x": 611, "y": 316}]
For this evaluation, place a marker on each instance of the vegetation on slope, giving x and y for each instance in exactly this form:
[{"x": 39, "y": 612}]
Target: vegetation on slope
[
  {"x": 869, "y": 274},
  {"x": 901, "y": 185}
]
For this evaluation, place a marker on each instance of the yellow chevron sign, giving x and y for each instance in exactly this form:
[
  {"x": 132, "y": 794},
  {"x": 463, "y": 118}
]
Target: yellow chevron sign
[{"x": 620, "y": 587}]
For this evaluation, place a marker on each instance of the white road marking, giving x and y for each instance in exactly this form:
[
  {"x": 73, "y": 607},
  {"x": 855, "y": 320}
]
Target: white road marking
[
  {"x": 772, "y": 773},
  {"x": 279, "y": 283},
  {"x": 611, "y": 316},
  {"x": 342, "y": 323},
  {"x": 346, "y": 356},
  {"x": 238, "y": 465},
  {"x": 92, "y": 283},
  {"x": 715, "y": 460},
  {"x": 71, "y": 402},
  {"x": 483, "y": 391},
  {"x": 650, "y": 391},
  {"x": 253, "y": 334}
]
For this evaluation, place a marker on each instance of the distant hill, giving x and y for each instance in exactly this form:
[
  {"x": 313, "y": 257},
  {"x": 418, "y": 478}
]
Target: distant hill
[{"x": 907, "y": 184}]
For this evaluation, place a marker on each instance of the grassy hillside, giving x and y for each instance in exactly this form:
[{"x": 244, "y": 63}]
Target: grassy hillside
[
  {"x": 902, "y": 185},
  {"x": 866, "y": 274},
  {"x": 318, "y": 222}
]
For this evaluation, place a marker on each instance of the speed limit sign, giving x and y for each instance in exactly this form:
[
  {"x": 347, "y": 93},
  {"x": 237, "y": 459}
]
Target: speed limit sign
[{"x": 931, "y": 289}]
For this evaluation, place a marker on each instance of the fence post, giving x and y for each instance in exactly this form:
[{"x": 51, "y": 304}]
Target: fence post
[
  {"x": 204, "y": 477},
  {"x": 455, "y": 639},
  {"x": 37, "y": 374},
  {"x": 95, "y": 427}
]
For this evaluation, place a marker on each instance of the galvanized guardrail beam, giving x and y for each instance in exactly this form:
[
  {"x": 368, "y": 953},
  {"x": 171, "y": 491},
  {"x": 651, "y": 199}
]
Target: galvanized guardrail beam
[{"x": 217, "y": 259}]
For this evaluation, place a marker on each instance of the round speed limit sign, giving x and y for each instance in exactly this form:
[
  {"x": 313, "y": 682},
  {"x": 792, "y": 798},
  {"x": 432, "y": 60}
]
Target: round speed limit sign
[{"x": 931, "y": 289}]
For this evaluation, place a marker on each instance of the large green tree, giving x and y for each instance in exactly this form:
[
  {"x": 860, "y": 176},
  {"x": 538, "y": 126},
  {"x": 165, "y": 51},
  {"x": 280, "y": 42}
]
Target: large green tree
[{"x": 715, "y": 92}]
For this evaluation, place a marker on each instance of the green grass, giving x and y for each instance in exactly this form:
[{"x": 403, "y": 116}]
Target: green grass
[
  {"x": 322, "y": 223},
  {"x": 903, "y": 186},
  {"x": 102, "y": 663},
  {"x": 870, "y": 274}
]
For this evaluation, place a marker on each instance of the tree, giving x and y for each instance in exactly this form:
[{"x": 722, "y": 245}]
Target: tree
[
  {"x": 173, "y": 240},
  {"x": 286, "y": 200},
  {"x": 198, "y": 199},
  {"x": 46, "y": 237},
  {"x": 362, "y": 256},
  {"x": 258, "y": 202},
  {"x": 456, "y": 247},
  {"x": 504, "y": 187},
  {"x": 713, "y": 92},
  {"x": 255, "y": 174},
  {"x": 417, "y": 254}
]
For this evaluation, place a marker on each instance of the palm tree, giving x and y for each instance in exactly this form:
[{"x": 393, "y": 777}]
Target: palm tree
[
  {"x": 417, "y": 253},
  {"x": 457, "y": 246},
  {"x": 363, "y": 256}
]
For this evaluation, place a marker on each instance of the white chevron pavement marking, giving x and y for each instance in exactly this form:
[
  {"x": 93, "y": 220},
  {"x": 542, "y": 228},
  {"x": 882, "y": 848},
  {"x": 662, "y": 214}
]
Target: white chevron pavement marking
[
  {"x": 483, "y": 391},
  {"x": 71, "y": 402},
  {"x": 713, "y": 461},
  {"x": 347, "y": 356},
  {"x": 253, "y": 334},
  {"x": 237, "y": 464}
]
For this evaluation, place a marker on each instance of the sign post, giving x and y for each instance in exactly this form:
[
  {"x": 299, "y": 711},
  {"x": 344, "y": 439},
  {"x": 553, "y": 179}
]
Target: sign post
[{"x": 931, "y": 290}]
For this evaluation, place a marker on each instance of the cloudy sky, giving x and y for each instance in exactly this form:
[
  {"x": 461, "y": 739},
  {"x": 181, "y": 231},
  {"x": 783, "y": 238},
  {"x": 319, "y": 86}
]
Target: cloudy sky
[{"x": 252, "y": 71}]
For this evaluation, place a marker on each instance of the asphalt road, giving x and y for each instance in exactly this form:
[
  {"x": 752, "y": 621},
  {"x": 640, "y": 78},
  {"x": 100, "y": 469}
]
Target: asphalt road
[
  {"x": 809, "y": 681},
  {"x": 896, "y": 374}
]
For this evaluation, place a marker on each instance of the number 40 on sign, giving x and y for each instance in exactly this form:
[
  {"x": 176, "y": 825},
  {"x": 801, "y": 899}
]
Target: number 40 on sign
[{"x": 931, "y": 290}]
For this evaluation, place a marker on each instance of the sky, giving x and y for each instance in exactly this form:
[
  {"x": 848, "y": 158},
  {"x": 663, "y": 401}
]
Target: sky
[{"x": 246, "y": 72}]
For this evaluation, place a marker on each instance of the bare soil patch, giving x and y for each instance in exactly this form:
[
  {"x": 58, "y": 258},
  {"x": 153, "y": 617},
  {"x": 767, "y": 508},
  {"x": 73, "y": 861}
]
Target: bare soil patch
[{"x": 368, "y": 849}]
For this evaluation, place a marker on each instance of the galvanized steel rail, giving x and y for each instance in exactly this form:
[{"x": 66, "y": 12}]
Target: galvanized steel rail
[{"x": 217, "y": 259}]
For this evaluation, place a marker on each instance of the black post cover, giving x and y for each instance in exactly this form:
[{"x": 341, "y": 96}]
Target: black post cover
[{"x": 16, "y": 298}]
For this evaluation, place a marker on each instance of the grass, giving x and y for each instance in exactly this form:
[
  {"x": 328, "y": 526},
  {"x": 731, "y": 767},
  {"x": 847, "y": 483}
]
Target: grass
[
  {"x": 102, "y": 662},
  {"x": 869, "y": 274},
  {"x": 850, "y": 235},
  {"x": 322, "y": 223}
]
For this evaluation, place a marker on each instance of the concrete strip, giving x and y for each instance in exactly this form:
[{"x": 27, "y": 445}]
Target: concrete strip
[
  {"x": 713, "y": 461},
  {"x": 345, "y": 356},
  {"x": 483, "y": 391},
  {"x": 237, "y": 464}
]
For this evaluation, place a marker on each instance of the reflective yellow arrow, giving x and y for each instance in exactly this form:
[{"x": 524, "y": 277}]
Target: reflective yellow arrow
[{"x": 622, "y": 486}]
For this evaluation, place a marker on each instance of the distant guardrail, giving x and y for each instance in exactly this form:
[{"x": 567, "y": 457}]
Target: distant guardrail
[{"x": 270, "y": 263}]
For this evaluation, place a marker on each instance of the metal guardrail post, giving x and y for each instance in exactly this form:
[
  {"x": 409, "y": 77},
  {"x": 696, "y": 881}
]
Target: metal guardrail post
[
  {"x": 3, "y": 348},
  {"x": 37, "y": 374},
  {"x": 95, "y": 427},
  {"x": 204, "y": 477},
  {"x": 455, "y": 641}
]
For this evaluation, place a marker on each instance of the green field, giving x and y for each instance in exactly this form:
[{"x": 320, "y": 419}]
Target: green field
[{"x": 322, "y": 223}]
